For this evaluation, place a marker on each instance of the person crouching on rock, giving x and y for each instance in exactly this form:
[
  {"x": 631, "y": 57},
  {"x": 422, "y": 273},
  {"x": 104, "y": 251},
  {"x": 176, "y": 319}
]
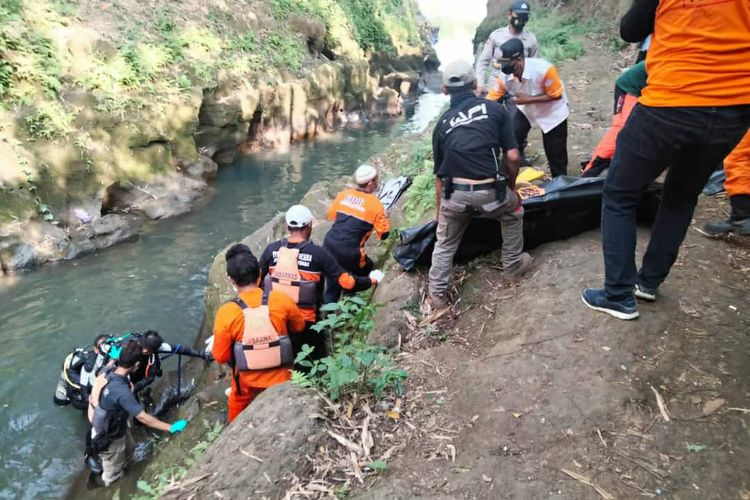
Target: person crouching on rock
[
  {"x": 111, "y": 437},
  {"x": 251, "y": 332},
  {"x": 297, "y": 267},
  {"x": 356, "y": 213}
]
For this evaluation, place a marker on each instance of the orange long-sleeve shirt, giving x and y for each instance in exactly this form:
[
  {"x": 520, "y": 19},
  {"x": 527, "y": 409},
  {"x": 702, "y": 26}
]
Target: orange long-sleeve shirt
[
  {"x": 230, "y": 325},
  {"x": 699, "y": 54}
]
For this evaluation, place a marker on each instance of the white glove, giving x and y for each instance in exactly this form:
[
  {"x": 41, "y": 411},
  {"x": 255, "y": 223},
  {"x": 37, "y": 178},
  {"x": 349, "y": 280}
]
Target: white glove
[
  {"x": 377, "y": 275},
  {"x": 210, "y": 344}
]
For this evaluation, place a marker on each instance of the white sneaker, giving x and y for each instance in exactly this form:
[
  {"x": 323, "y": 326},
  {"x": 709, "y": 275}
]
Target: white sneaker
[{"x": 644, "y": 293}]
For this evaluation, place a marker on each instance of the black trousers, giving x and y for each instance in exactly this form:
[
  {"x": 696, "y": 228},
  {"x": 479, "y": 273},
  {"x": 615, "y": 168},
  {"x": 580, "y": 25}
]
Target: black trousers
[
  {"x": 316, "y": 340},
  {"x": 690, "y": 141},
  {"x": 350, "y": 264},
  {"x": 555, "y": 143}
]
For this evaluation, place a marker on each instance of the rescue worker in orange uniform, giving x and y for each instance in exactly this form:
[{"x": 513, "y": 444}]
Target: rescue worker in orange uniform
[
  {"x": 693, "y": 112},
  {"x": 628, "y": 88},
  {"x": 251, "y": 332},
  {"x": 297, "y": 267},
  {"x": 737, "y": 185},
  {"x": 356, "y": 213}
]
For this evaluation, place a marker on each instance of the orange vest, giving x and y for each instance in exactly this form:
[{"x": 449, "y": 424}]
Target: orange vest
[
  {"x": 261, "y": 347},
  {"x": 699, "y": 54},
  {"x": 286, "y": 278}
]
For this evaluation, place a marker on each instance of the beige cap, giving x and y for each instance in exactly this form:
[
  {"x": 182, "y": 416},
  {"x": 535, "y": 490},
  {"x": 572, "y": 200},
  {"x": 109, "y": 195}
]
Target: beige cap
[
  {"x": 458, "y": 74},
  {"x": 364, "y": 174}
]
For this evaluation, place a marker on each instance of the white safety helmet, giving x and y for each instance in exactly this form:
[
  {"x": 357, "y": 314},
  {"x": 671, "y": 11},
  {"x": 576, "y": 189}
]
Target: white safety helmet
[
  {"x": 299, "y": 216},
  {"x": 364, "y": 174}
]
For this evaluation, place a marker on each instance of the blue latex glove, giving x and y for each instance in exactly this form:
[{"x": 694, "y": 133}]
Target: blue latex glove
[
  {"x": 115, "y": 351},
  {"x": 178, "y": 426}
]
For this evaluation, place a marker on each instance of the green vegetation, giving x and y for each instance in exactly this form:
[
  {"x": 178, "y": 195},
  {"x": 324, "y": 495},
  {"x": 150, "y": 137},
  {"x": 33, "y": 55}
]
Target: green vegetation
[
  {"x": 378, "y": 25},
  {"x": 151, "y": 490},
  {"x": 285, "y": 51},
  {"x": 420, "y": 197},
  {"x": 110, "y": 78},
  {"x": 560, "y": 36},
  {"x": 354, "y": 365},
  {"x": 164, "y": 53}
]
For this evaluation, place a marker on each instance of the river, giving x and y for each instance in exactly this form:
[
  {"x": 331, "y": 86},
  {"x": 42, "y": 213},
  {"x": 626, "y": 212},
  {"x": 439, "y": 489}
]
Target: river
[{"x": 155, "y": 282}]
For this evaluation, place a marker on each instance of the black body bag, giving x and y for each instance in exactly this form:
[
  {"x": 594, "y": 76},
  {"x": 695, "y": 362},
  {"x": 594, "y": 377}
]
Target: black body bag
[{"x": 569, "y": 207}]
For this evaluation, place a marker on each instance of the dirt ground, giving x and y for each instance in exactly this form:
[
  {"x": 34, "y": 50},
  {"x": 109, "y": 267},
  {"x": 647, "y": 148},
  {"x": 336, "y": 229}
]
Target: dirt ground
[{"x": 526, "y": 393}]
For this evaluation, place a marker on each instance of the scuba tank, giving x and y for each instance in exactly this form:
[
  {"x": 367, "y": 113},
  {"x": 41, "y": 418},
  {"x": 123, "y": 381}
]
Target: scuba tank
[{"x": 80, "y": 368}]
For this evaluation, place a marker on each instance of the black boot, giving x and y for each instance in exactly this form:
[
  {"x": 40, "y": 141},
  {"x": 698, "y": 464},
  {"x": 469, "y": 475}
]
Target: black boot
[
  {"x": 95, "y": 481},
  {"x": 93, "y": 463},
  {"x": 740, "y": 207},
  {"x": 738, "y": 222}
]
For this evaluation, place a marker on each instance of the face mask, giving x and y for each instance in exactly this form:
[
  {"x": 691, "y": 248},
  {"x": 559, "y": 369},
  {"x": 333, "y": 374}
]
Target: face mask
[
  {"x": 518, "y": 23},
  {"x": 507, "y": 68}
]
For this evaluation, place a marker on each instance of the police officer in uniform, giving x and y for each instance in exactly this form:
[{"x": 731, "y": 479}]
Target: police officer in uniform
[
  {"x": 518, "y": 16},
  {"x": 470, "y": 178}
]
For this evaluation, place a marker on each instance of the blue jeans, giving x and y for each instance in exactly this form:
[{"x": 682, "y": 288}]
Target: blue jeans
[{"x": 691, "y": 142}]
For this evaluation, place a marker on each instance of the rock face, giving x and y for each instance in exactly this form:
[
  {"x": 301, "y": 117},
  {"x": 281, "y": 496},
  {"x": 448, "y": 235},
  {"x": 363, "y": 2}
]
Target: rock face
[
  {"x": 275, "y": 115},
  {"x": 398, "y": 293},
  {"x": 257, "y": 454},
  {"x": 41, "y": 242},
  {"x": 202, "y": 81},
  {"x": 104, "y": 232}
]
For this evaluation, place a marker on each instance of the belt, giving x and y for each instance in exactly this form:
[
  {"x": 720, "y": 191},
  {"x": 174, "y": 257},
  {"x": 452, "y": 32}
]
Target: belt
[{"x": 485, "y": 186}]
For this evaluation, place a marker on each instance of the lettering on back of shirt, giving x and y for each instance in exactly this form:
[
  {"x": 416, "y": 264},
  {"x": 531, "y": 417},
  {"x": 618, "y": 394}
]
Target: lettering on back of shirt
[
  {"x": 477, "y": 113},
  {"x": 354, "y": 202},
  {"x": 303, "y": 259}
]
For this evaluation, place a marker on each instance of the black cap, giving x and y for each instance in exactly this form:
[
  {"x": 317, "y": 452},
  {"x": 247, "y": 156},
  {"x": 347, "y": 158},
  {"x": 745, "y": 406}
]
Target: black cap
[
  {"x": 512, "y": 50},
  {"x": 521, "y": 7}
]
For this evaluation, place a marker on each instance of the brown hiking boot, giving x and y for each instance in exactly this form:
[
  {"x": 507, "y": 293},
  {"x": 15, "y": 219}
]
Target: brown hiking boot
[
  {"x": 519, "y": 270},
  {"x": 438, "y": 301}
]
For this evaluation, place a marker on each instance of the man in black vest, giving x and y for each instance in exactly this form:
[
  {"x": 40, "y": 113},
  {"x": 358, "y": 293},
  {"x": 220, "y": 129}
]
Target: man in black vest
[{"x": 471, "y": 179}]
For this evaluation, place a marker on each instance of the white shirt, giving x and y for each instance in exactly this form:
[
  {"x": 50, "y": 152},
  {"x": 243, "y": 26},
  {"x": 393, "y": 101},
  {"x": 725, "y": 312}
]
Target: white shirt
[{"x": 535, "y": 81}]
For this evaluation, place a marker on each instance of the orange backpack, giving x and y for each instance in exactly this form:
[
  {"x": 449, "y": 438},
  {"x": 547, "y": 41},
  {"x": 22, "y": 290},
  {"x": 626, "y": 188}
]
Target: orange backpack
[
  {"x": 261, "y": 347},
  {"x": 287, "y": 279}
]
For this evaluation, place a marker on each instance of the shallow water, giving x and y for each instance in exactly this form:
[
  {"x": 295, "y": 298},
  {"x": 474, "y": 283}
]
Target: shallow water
[{"x": 155, "y": 282}]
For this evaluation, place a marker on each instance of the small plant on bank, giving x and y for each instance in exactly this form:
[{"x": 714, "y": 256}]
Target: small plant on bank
[
  {"x": 354, "y": 365},
  {"x": 170, "y": 476},
  {"x": 420, "y": 198}
]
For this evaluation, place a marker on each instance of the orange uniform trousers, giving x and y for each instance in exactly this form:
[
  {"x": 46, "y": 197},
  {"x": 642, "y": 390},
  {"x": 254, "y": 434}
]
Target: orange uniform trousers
[
  {"x": 238, "y": 402},
  {"x": 737, "y": 168}
]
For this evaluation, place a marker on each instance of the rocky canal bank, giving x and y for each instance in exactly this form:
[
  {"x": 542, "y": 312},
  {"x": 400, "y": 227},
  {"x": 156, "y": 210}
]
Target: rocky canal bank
[
  {"x": 281, "y": 417},
  {"x": 115, "y": 113}
]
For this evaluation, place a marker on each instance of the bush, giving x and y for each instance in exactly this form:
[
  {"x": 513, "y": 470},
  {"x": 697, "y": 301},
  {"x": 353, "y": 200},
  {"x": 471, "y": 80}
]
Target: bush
[
  {"x": 49, "y": 121},
  {"x": 420, "y": 197},
  {"x": 285, "y": 52},
  {"x": 560, "y": 37},
  {"x": 353, "y": 366},
  {"x": 369, "y": 29}
]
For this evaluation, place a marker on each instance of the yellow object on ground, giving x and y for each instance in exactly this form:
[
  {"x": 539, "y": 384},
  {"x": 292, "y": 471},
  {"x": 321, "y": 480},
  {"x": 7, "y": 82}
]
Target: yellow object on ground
[
  {"x": 530, "y": 174},
  {"x": 527, "y": 191}
]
